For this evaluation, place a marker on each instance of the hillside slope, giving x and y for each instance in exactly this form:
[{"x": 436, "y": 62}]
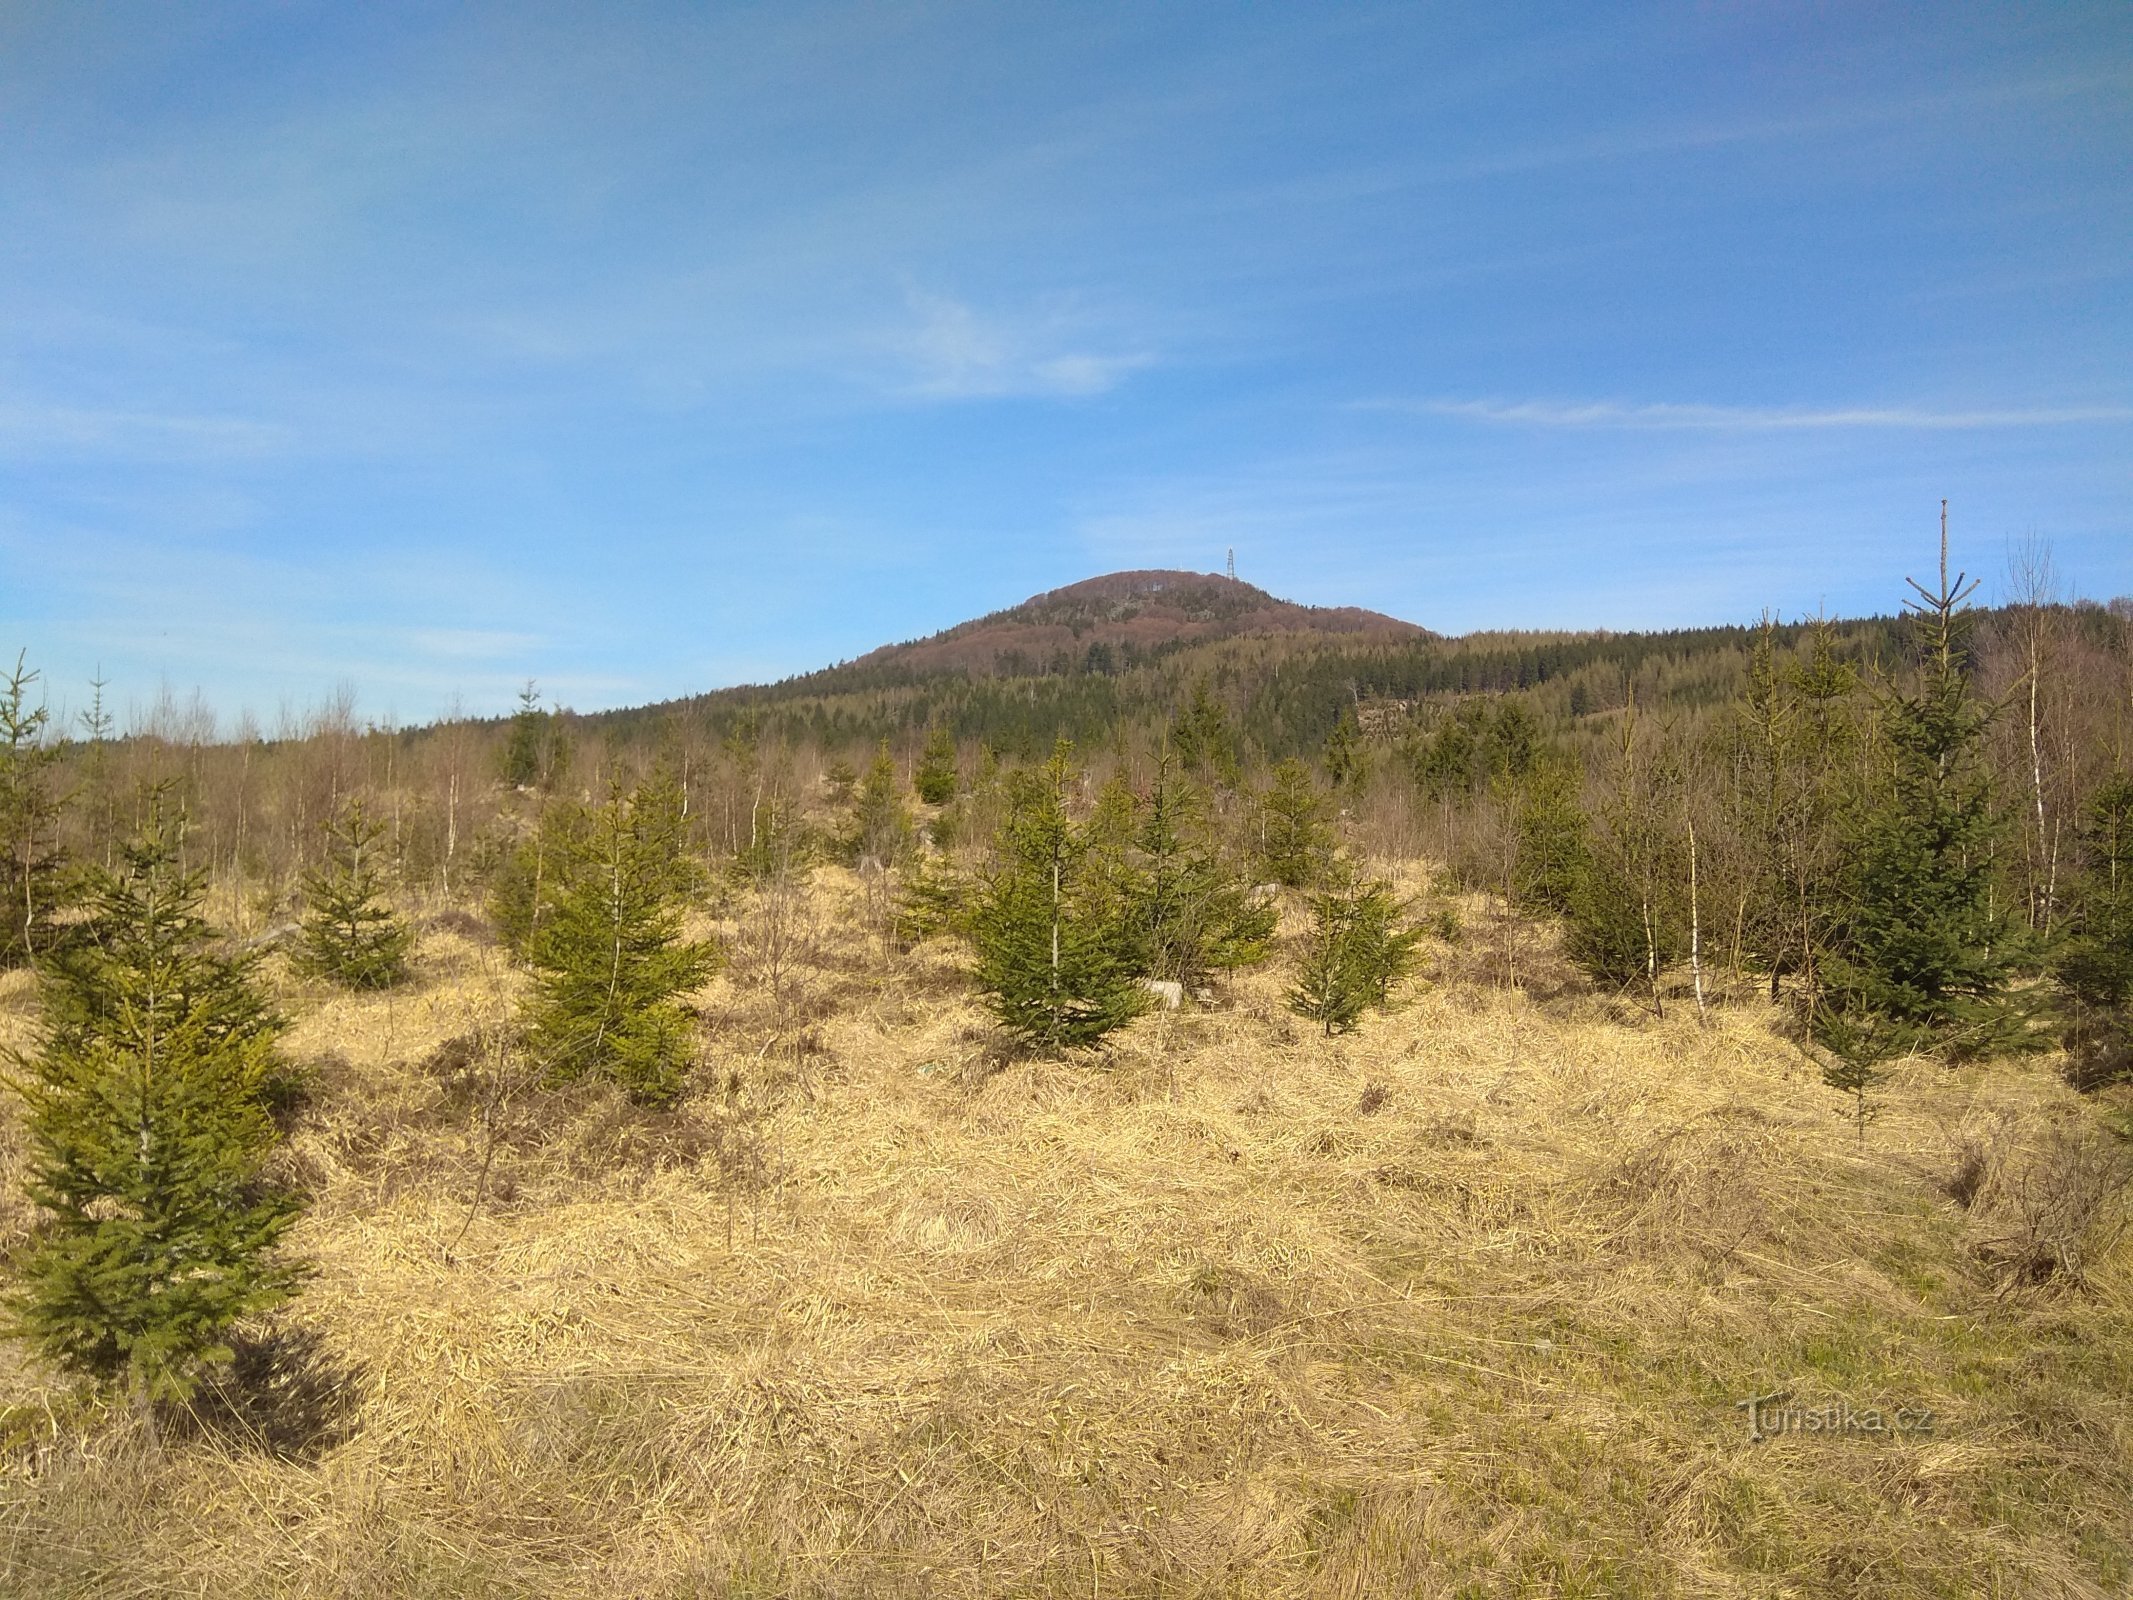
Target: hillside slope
[{"x": 1119, "y": 620}]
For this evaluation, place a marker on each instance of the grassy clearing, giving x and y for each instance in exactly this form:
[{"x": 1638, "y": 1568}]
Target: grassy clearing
[{"x": 1462, "y": 1304}]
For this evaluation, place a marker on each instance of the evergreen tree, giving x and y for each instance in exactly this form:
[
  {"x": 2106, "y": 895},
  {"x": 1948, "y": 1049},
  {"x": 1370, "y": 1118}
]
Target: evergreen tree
[
  {"x": 522, "y": 745},
  {"x": 1357, "y": 950},
  {"x": 1793, "y": 741},
  {"x": 1051, "y": 960},
  {"x": 524, "y": 871},
  {"x": 30, "y": 858},
  {"x": 879, "y": 828},
  {"x": 1204, "y": 740},
  {"x": 536, "y": 750},
  {"x": 1344, "y": 754},
  {"x": 2094, "y": 968},
  {"x": 349, "y": 934},
  {"x": 148, "y": 1137},
  {"x": 1854, "y": 1048},
  {"x": 1190, "y": 914},
  {"x": 610, "y": 959},
  {"x": 932, "y": 899},
  {"x": 1550, "y": 827},
  {"x": 1628, "y": 918},
  {"x": 778, "y": 840},
  {"x": 1295, "y": 841},
  {"x": 1924, "y": 943},
  {"x": 936, "y": 776}
]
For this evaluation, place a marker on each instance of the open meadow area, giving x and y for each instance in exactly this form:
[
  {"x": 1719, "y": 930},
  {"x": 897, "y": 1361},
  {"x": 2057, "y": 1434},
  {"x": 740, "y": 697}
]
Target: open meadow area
[{"x": 1464, "y": 1303}]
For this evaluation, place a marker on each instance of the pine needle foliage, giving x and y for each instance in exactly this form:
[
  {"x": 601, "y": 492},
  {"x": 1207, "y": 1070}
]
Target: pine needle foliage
[
  {"x": 536, "y": 751},
  {"x": 1052, "y": 963},
  {"x": 1926, "y": 943},
  {"x": 148, "y": 1137},
  {"x": 1854, "y": 1049},
  {"x": 350, "y": 935},
  {"x": 524, "y": 872},
  {"x": 936, "y": 776},
  {"x": 1295, "y": 839},
  {"x": 1359, "y": 947},
  {"x": 1189, "y": 913},
  {"x": 1628, "y": 916},
  {"x": 2094, "y": 968},
  {"x": 1345, "y": 757},
  {"x": 1549, "y": 824},
  {"x": 879, "y": 829},
  {"x": 30, "y": 858},
  {"x": 1793, "y": 738},
  {"x": 1205, "y": 739},
  {"x": 609, "y": 957}
]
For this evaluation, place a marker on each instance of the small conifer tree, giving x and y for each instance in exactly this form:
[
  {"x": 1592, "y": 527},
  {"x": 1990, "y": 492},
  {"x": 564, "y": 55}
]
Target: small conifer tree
[
  {"x": 1925, "y": 942},
  {"x": 148, "y": 1138},
  {"x": 522, "y": 745},
  {"x": 1854, "y": 1048},
  {"x": 1295, "y": 840},
  {"x": 1205, "y": 742},
  {"x": 536, "y": 750},
  {"x": 1628, "y": 921},
  {"x": 1792, "y": 738},
  {"x": 2094, "y": 968},
  {"x": 1344, "y": 753},
  {"x": 30, "y": 857},
  {"x": 350, "y": 935},
  {"x": 609, "y": 957},
  {"x": 936, "y": 776},
  {"x": 1051, "y": 960},
  {"x": 1189, "y": 913},
  {"x": 1549, "y": 825},
  {"x": 879, "y": 829},
  {"x": 1358, "y": 948}
]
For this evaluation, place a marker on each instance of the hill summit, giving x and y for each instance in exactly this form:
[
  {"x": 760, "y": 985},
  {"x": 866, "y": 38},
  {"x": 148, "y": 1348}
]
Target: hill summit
[{"x": 1118, "y": 619}]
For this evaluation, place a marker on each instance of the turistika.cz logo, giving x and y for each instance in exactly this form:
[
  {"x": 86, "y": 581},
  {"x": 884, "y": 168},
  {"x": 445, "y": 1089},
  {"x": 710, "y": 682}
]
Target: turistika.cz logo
[{"x": 1772, "y": 1415}]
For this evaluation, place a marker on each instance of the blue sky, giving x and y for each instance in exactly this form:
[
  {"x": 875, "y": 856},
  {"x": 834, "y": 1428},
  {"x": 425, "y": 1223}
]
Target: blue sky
[{"x": 643, "y": 349}]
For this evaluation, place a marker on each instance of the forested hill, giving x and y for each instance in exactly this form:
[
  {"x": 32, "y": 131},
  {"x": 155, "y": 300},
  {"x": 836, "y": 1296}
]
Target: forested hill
[
  {"x": 1098, "y": 660},
  {"x": 1132, "y": 649},
  {"x": 1104, "y": 626}
]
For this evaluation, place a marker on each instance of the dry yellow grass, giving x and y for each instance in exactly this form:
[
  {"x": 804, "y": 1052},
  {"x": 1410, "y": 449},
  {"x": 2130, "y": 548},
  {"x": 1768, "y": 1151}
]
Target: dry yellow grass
[{"x": 1460, "y": 1304}]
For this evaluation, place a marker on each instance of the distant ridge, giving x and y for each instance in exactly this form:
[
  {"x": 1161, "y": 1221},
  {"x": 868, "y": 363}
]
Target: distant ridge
[{"x": 1121, "y": 617}]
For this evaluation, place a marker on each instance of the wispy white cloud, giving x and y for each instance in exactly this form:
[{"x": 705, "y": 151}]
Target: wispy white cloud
[
  {"x": 955, "y": 352},
  {"x": 1750, "y": 419},
  {"x": 33, "y": 429}
]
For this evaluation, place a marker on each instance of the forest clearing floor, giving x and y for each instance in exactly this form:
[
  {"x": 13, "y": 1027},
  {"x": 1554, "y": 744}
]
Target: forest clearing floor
[{"x": 1467, "y": 1302}]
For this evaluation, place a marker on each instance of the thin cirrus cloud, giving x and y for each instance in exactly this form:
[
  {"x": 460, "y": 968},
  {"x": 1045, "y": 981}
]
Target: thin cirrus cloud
[
  {"x": 1752, "y": 419},
  {"x": 39, "y": 430},
  {"x": 952, "y": 351}
]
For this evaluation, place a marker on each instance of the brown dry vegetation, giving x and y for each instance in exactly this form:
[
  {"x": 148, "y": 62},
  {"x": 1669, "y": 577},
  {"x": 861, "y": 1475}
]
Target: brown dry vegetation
[{"x": 1460, "y": 1304}]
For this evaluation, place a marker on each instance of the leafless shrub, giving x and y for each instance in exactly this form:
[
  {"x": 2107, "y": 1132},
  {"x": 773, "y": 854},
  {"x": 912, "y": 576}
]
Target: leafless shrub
[
  {"x": 2046, "y": 1215},
  {"x": 1970, "y": 1165},
  {"x": 778, "y": 937}
]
